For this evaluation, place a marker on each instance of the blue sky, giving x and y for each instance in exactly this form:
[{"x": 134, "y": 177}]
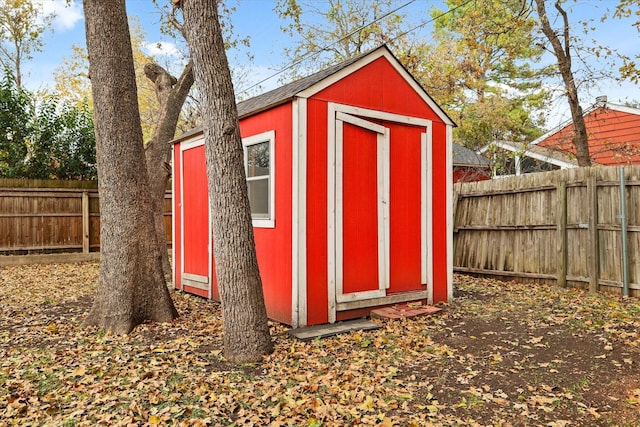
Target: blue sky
[{"x": 257, "y": 19}]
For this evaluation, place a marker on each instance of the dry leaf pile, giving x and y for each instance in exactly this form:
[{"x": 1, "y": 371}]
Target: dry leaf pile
[{"x": 500, "y": 354}]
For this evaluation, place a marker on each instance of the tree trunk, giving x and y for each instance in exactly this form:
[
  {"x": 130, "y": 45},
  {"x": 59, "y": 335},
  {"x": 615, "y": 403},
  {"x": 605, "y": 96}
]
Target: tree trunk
[
  {"x": 171, "y": 94},
  {"x": 246, "y": 330},
  {"x": 563, "y": 55},
  {"x": 131, "y": 284},
  {"x": 18, "y": 68}
]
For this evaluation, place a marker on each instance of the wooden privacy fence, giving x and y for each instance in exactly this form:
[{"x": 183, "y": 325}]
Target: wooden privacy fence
[
  {"x": 40, "y": 216},
  {"x": 563, "y": 227}
]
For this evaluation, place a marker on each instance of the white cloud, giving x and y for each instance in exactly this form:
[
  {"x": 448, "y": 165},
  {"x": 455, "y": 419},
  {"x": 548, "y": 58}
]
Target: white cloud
[
  {"x": 65, "y": 15},
  {"x": 162, "y": 49}
]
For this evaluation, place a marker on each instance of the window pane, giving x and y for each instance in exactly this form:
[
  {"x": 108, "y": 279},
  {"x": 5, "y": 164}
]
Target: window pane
[
  {"x": 258, "y": 159},
  {"x": 259, "y": 197}
]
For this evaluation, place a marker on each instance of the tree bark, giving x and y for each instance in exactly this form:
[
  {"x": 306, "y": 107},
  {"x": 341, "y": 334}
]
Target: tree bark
[
  {"x": 131, "y": 283},
  {"x": 171, "y": 94},
  {"x": 246, "y": 330},
  {"x": 563, "y": 55}
]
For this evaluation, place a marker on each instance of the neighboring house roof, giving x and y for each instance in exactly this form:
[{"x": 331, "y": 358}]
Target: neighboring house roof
[
  {"x": 463, "y": 156},
  {"x": 535, "y": 152},
  {"x": 614, "y": 138},
  {"x": 614, "y": 134},
  {"x": 307, "y": 86}
]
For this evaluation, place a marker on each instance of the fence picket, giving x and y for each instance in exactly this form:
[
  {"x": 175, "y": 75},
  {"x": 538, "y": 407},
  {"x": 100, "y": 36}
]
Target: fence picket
[
  {"x": 513, "y": 227},
  {"x": 38, "y": 216}
]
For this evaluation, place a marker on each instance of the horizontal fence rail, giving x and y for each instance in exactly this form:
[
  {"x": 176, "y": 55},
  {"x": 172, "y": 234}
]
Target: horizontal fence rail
[
  {"x": 39, "y": 217},
  {"x": 561, "y": 227}
]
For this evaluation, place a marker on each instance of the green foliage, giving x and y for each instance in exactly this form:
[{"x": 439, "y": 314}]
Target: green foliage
[
  {"x": 480, "y": 70},
  {"x": 73, "y": 84},
  {"x": 498, "y": 117},
  {"x": 65, "y": 143},
  {"x": 478, "y": 67},
  {"x": 15, "y": 108},
  {"x": 44, "y": 139}
]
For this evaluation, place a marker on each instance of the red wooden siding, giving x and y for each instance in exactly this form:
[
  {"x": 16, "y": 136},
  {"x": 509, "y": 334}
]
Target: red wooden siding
[
  {"x": 614, "y": 138},
  {"x": 404, "y": 204},
  {"x": 470, "y": 174},
  {"x": 360, "y": 210},
  {"x": 378, "y": 87},
  {"x": 317, "y": 275},
  {"x": 195, "y": 206},
  {"x": 177, "y": 218},
  {"x": 273, "y": 245},
  {"x": 439, "y": 213},
  {"x": 195, "y": 248},
  {"x": 391, "y": 122},
  {"x": 196, "y": 213}
]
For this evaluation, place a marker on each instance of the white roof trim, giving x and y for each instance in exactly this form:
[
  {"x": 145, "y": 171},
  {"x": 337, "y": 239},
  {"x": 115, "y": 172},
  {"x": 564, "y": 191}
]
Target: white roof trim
[
  {"x": 622, "y": 108},
  {"x": 528, "y": 153},
  {"x": 484, "y": 149},
  {"x": 367, "y": 59}
]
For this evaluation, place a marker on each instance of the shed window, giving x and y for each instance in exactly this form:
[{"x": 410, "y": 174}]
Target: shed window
[{"x": 259, "y": 168}]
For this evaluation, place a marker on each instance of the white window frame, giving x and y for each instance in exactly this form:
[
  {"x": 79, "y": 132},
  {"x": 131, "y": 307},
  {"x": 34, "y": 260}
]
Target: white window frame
[{"x": 270, "y": 137}]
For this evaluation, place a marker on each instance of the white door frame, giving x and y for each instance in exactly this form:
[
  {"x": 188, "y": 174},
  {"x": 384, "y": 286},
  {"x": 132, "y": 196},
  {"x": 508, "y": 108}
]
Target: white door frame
[
  {"x": 382, "y": 150},
  {"x": 337, "y": 115}
]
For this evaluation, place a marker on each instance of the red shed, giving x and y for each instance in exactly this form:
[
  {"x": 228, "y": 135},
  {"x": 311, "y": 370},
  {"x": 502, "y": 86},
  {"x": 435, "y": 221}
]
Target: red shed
[{"x": 349, "y": 178}]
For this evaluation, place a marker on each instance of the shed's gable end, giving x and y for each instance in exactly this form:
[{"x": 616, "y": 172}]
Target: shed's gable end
[{"x": 366, "y": 60}]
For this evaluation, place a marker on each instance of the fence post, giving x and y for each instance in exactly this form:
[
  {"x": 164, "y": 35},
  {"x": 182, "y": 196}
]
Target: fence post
[
  {"x": 562, "y": 233},
  {"x": 623, "y": 229},
  {"x": 85, "y": 222},
  {"x": 454, "y": 208},
  {"x": 594, "y": 259}
]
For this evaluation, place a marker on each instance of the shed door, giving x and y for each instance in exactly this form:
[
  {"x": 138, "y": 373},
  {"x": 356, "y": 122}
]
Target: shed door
[
  {"x": 195, "y": 219},
  {"x": 361, "y": 209}
]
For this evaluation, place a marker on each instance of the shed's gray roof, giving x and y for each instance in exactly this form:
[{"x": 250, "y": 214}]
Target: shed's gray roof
[
  {"x": 463, "y": 156},
  {"x": 287, "y": 92},
  {"x": 281, "y": 94},
  {"x": 548, "y": 155}
]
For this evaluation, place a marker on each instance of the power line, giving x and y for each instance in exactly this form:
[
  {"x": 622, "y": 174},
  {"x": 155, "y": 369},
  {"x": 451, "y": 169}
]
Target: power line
[
  {"x": 310, "y": 54},
  {"x": 431, "y": 20}
]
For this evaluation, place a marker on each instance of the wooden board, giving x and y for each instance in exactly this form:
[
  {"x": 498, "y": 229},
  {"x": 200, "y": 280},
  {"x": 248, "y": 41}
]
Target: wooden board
[
  {"x": 322, "y": 331},
  {"x": 60, "y": 258},
  {"x": 402, "y": 311}
]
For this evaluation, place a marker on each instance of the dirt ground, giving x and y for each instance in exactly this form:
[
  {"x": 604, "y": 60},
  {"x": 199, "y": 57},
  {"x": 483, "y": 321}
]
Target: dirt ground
[{"x": 501, "y": 354}]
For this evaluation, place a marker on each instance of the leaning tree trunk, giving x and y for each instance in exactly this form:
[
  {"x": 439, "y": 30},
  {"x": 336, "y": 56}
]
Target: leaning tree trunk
[
  {"x": 131, "y": 284},
  {"x": 171, "y": 94},
  {"x": 246, "y": 331},
  {"x": 563, "y": 55}
]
